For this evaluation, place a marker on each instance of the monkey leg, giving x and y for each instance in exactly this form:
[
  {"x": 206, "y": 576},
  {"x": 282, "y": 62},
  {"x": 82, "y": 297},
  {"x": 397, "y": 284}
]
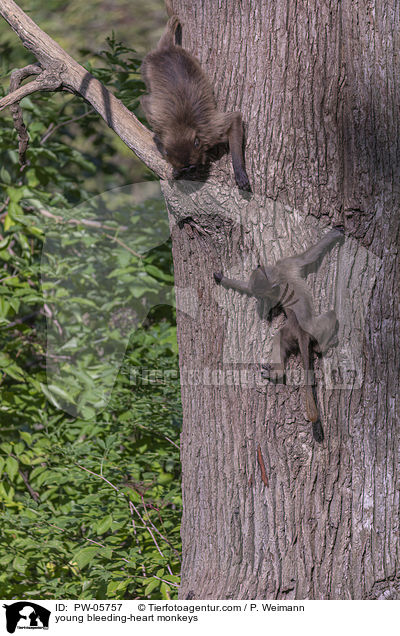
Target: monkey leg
[
  {"x": 282, "y": 344},
  {"x": 324, "y": 330},
  {"x": 233, "y": 131},
  {"x": 314, "y": 253},
  {"x": 304, "y": 346}
]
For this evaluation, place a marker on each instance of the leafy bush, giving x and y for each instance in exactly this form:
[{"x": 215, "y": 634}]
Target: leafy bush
[{"x": 90, "y": 494}]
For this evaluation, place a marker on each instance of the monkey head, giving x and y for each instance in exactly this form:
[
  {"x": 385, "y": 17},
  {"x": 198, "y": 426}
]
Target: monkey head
[
  {"x": 182, "y": 148},
  {"x": 261, "y": 285}
]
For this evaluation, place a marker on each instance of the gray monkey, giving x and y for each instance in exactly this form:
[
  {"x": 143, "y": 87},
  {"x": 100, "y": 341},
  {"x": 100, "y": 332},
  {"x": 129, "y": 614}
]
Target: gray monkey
[{"x": 282, "y": 286}]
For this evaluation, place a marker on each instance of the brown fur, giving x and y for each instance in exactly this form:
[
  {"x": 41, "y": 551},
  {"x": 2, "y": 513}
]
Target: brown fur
[
  {"x": 181, "y": 110},
  {"x": 281, "y": 284}
]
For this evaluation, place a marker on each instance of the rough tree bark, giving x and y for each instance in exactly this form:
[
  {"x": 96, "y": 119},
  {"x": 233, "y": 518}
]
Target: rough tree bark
[{"x": 315, "y": 83}]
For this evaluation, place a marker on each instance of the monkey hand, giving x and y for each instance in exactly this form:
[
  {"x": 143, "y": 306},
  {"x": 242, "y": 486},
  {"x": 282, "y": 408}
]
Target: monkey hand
[
  {"x": 218, "y": 276},
  {"x": 242, "y": 180},
  {"x": 339, "y": 227},
  {"x": 338, "y": 230}
]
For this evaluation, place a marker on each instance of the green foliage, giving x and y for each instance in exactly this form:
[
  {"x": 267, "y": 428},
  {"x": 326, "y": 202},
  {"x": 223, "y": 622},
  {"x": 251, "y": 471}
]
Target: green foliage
[{"x": 89, "y": 462}]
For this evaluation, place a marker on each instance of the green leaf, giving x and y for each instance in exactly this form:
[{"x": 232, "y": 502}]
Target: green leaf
[
  {"x": 154, "y": 583},
  {"x": 115, "y": 586},
  {"x": 165, "y": 591},
  {"x": 27, "y": 437},
  {"x": 8, "y": 366},
  {"x": 50, "y": 396},
  {"x": 11, "y": 467},
  {"x": 19, "y": 564},
  {"x": 85, "y": 556},
  {"x": 5, "y": 176},
  {"x": 54, "y": 388},
  {"x": 104, "y": 525}
]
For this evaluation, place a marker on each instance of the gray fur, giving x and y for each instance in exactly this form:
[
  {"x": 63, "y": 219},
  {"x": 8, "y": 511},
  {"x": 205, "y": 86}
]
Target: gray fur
[{"x": 282, "y": 284}]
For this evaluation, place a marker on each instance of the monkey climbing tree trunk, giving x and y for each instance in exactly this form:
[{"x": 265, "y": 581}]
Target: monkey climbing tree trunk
[{"x": 268, "y": 512}]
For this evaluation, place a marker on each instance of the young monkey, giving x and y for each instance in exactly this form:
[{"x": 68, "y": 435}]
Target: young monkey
[
  {"x": 281, "y": 284},
  {"x": 181, "y": 110}
]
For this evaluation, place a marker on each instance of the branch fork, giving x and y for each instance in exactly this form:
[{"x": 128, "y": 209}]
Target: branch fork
[{"x": 56, "y": 70}]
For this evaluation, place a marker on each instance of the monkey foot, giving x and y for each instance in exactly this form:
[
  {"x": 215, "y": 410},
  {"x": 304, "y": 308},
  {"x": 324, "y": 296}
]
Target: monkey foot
[
  {"x": 218, "y": 276},
  {"x": 269, "y": 373},
  {"x": 318, "y": 431}
]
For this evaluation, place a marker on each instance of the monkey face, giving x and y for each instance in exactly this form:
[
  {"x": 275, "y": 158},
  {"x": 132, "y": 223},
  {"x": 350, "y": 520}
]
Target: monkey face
[
  {"x": 261, "y": 285},
  {"x": 184, "y": 151}
]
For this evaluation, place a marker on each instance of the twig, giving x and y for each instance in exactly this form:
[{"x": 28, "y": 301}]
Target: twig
[
  {"x": 124, "y": 245},
  {"x": 86, "y": 222},
  {"x": 47, "y": 81},
  {"x": 164, "y": 580},
  {"x": 132, "y": 505},
  {"x": 49, "y": 314},
  {"x": 138, "y": 544},
  {"x": 132, "y": 508},
  {"x": 262, "y": 466},
  {"x": 52, "y": 129},
  {"x": 33, "y": 493},
  {"x": 159, "y": 533},
  {"x": 97, "y": 475},
  {"x": 16, "y": 78}
]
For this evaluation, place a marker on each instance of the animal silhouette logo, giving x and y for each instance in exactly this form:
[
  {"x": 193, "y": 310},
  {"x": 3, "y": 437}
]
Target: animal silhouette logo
[{"x": 26, "y": 615}]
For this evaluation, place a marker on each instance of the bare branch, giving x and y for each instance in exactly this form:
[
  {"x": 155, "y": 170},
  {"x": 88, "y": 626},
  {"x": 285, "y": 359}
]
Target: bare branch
[
  {"x": 48, "y": 80},
  {"x": 52, "y": 129},
  {"x": 33, "y": 493},
  {"x": 73, "y": 77},
  {"x": 86, "y": 222},
  {"x": 124, "y": 245},
  {"x": 45, "y": 82},
  {"x": 16, "y": 78}
]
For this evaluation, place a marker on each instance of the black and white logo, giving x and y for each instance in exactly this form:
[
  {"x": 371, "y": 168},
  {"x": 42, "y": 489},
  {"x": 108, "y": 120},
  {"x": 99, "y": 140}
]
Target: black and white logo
[{"x": 26, "y": 615}]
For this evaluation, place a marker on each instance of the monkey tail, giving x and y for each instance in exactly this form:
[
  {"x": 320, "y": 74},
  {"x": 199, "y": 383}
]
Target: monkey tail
[
  {"x": 313, "y": 416},
  {"x": 168, "y": 37}
]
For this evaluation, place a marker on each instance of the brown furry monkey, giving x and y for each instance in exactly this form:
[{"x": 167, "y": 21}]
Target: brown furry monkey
[
  {"x": 181, "y": 109},
  {"x": 281, "y": 284}
]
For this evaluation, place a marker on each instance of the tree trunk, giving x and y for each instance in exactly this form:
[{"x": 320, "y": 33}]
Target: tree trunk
[{"x": 317, "y": 88}]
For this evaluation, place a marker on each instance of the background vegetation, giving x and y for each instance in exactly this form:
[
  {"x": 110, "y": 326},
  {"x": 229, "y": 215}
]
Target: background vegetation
[{"x": 89, "y": 494}]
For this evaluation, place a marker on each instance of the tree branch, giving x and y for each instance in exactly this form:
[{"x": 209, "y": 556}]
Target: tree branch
[
  {"x": 71, "y": 76},
  {"x": 46, "y": 81}
]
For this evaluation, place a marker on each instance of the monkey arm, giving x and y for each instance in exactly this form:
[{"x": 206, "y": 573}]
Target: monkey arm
[
  {"x": 232, "y": 283},
  {"x": 315, "y": 252}
]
